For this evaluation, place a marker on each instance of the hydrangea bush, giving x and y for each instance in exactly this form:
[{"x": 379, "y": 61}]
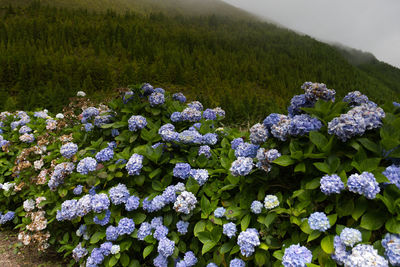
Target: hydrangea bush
[{"x": 150, "y": 180}]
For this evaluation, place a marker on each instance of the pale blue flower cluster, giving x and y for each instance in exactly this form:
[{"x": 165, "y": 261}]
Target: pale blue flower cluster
[
  {"x": 168, "y": 133},
  {"x": 25, "y": 129},
  {"x": 246, "y": 150},
  {"x": 296, "y": 256},
  {"x": 350, "y": 236},
  {"x": 196, "y": 105},
  {"x": 79, "y": 252},
  {"x": 331, "y": 184},
  {"x": 102, "y": 120},
  {"x": 356, "y": 121},
  {"x": 258, "y": 134},
  {"x": 319, "y": 221},
  {"x": 185, "y": 202},
  {"x": 200, "y": 175},
  {"x": 393, "y": 174},
  {"x": 135, "y": 164},
  {"x": 188, "y": 260},
  {"x": 89, "y": 113},
  {"x": 301, "y": 125},
  {"x": 247, "y": 241},
  {"x": 179, "y": 97},
  {"x": 136, "y": 122},
  {"x": 147, "y": 89},
  {"x": 68, "y": 150},
  {"x": 209, "y": 139},
  {"x": 132, "y": 203},
  {"x": 229, "y": 229},
  {"x": 4, "y": 218},
  {"x": 236, "y": 142},
  {"x": 166, "y": 247},
  {"x": 176, "y": 117},
  {"x": 219, "y": 212},
  {"x": 60, "y": 172},
  {"x": 128, "y": 96},
  {"x": 119, "y": 194},
  {"x": 210, "y": 114},
  {"x": 242, "y": 166},
  {"x": 256, "y": 207},
  {"x": 105, "y": 154},
  {"x": 78, "y": 190},
  {"x": 156, "y": 99},
  {"x": 391, "y": 243},
  {"x": 205, "y": 150},
  {"x": 182, "y": 227},
  {"x": 365, "y": 255},
  {"x": 271, "y": 201},
  {"x": 182, "y": 170},
  {"x": 363, "y": 184},
  {"x": 236, "y": 262},
  {"x": 86, "y": 165},
  {"x": 104, "y": 221},
  {"x": 356, "y": 98},
  {"x": 191, "y": 114},
  {"x": 190, "y": 137}
]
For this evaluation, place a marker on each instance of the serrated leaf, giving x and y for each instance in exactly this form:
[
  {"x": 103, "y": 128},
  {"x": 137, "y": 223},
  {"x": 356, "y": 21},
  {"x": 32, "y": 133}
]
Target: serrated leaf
[
  {"x": 147, "y": 250},
  {"x": 284, "y": 161},
  {"x": 245, "y": 222},
  {"x": 97, "y": 237},
  {"x": 327, "y": 244},
  {"x": 208, "y": 246},
  {"x": 372, "y": 220},
  {"x": 314, "y": 235}
]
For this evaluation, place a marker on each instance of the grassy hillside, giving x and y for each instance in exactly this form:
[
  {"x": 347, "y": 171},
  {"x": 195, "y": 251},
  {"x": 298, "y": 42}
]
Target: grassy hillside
[{"x": 246, "y": 66}]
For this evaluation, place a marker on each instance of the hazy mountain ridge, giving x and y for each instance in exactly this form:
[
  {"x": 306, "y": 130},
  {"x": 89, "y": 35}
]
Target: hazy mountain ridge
[{"x": 215, "y": 57}]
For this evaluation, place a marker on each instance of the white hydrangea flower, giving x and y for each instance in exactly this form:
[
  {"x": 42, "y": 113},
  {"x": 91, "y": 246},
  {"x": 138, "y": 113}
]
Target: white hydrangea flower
[
  {"x": 81, "y": 93},
  {"x": 29, "y": 205},
  {"x": 60, "y": 116}
]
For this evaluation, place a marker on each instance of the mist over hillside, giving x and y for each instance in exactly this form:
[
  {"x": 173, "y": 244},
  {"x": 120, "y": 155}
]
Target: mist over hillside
[{"x": 207, "y": 49}]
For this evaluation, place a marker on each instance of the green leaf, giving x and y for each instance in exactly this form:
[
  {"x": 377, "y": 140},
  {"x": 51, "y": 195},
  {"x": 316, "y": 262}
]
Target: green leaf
[
  {"x": 205, "y": 206},
  {"x": 208, "y": 246},
  {"x": 225, "y": 248},
  {"x": 360, "y": 207},
  {"x": 199, "y": 227},
  {"x": 393, "y": 226},
  {"x": 327, "y": 244},
  {"x": 322, "y": 166},
  {"x": 368, "y": 144},
  {"x": 314, "y": 235},
  {"x": 301, "y": 167},
  {"x": 260, "y": 258},
  {"x": 269, "y": 218},
  {"x": 284, "y": 160},
  {"x": 139, "y": 217},
  {"x": 278, "y": 254},
  {"x": 147, "y": 250},
  {"x": 124, "y": 259},
  {"x": 318, "y": 139},
  {"x": 113, "y": 261},
  {"x": 372, "y": 220},
  {"x": 315, "y": 183},
  {"x": 245, "y": 222},
  {"x": 370, "y": 164},
  {"x": 97, "y": 237}
]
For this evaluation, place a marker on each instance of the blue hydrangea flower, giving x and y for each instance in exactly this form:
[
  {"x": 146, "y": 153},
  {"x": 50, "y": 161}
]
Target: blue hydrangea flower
[
  {"x": 160, "y": 232},
  {"x": 156, "y": 99},
  {"x": 82, "y": 230},
  {"x": 296, "y": 256},
  {"x": 350, "y": 236},
  {"x": 315, "y": 91},
  {"x": 247, "y": 241},
  {"x": 101, "y": 120},
  {"x": 182, "y": 227},
  {"x": 159, "y": 90},
  {"x": 340, "y": 253},
  {"x": 190, "y": 259},
  {"x": 89, "y": 113},
  {"x": 355, "y": 98},
  {"x": 391, "y": 243},
  {"x": 144, "y": 230},
  {"x": 331, "y": 184},
  {"x": 191, "y": 114},
  {"x": 365, "y": 255},
  {"x": 79, "y": 252},
  {"x": 100, "y": 202},
  {"x": 200, "y": 175},
  {"x": 229, "y": 229},
  {"x": 167, "y": 133},
  {"x": 185, "y": 202},
  {"x": 8, "y": 217},
  {"x": 212, "y": 264},
  {"x": 242, "y": 166},
  {"x": 209, "y": 139},
  {"x": 126, "y": 226},
  {"x": 303, "y": 124},
  {"x": 147, "y": 205},
  {"x": 281, "y": 129},
  {"x": 106, "y": 248},
  {"x": 156, "y": 221},
  {"x": 136, "y": 123},
  {"x": 68, "y": 210},
  {"x": 219, "y": 212},
  {"x": 166, "y": 247},
  {"x": 104, "y": 221},
  {"x": 119, "y": 194},
  {"x": 134, "y": 164},
  {"x": 182, "y": 170},
  {"x": 190, "y": 137},
  {"x": 25, "y": 129},
  {"x": 393, "y": 174},
  {"x": 272, "y": 119},
  {"x": 147, "y": 89},
  {"x": 128, "y": 96},
  {"x": 236, "y": 142},
  {"x": 179, "y": 97},
  {"x": 158, "y": 203},
  {"x": 297, "y": 102},
  {"x": 236, "y": 262},
  {"x": 319, "y": 221},
  {"x": 160, "y": 261},
  {"x": 205, "y": 150},
  {"x": 84, "y": 205},
  {"x": 363, "y": 184},
  {"x": 209, "y": 114},
  {"x": 196, "y": 105},
  {"x": 96, "y": 257},
  {"x": 61, "y": 171},
  {"x": 256, "y": 207},
  {"x": 78, "y": 190},
  {"x": 169, "y": 194},
  {"x": 258, "y": 134},
  {"x": 114, "y": 132},
  {"x": 246, "y": 150},
  {"x": 86, "y": 165},
  {"x": 176, "y": 117},
  {"x": 105, "y": 154},
  {"x": 132, "y": 203},
  {"x": 88, "y": 127},
  {"x": 68, "y": 150}
]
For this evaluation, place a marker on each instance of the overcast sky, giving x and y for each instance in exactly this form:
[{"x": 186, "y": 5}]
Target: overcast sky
[{"x": 368, "y": 25}]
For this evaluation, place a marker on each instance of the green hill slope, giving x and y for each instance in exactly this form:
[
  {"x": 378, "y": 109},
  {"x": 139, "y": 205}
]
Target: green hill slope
[{"x": 246, "y": 66}]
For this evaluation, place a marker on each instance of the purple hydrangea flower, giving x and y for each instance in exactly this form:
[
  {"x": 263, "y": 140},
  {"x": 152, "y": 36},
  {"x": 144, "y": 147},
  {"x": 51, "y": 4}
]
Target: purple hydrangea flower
[
  {"x": 296, "y": 256},
  {"x": 167, "y": 133},
  {"x": 79, "y": 252},
  {"x": 236, "y": 142},
  {"x": 331, "y": 184},
  {"x": 86, "y": 165},
  {"x": 191, "y": 114},
  {"x": 190, "y": 137},
  {"x": 209, "y": 114},
  {"x": 136, "y": 123},
  {"x": 363, "y": 184},
  {"x": 393, "y": 174},
  {"x": 156, "y": 99},
  {"x": 144, "y": 230},
  {"x": 100, "y": 202},
  {"x": 182, "y": 170},
  {"x": 68, "y": 150},
  {"x": 126, "y": 226},
  {"x": 205, "y": 150},
  {"x": 246, "y": 150},
  {"x": 200, "y": 175},
  {"x": 119, "y": 194},
  {"x": 147, "y": 89},
  {"x": 105, "y": 154},
  {"x": 190, "y": 259},
  {"x": 134, "y": 164},
  {"x": 160, "y": 232},
  {"x": 166, "y": 247},
  {"x": 132, "y": 203},
  {"x": 179, "y": 97},
  {"x": 196, "y": 105},
  {"x": 78, "y": 190},
  {"x": 160, "y": 261},
  {"x": 169, "y": 194},
  {"x": 176, "y": 117},
  {"x": 258, "y": 134},
  {"x": 182, "y": 227},
  {"x": 237, "y": 263}
]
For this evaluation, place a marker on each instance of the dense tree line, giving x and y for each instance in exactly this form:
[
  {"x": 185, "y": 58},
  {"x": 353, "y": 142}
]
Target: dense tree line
[{"x": 249, "y": 68}]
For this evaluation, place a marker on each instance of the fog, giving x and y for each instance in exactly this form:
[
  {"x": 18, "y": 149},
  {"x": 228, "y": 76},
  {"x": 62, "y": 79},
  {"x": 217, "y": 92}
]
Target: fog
[{"x": 368, "y": 25}]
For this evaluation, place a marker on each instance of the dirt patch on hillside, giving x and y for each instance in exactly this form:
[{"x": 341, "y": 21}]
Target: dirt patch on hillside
[{"x": 14, "y": 254}]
